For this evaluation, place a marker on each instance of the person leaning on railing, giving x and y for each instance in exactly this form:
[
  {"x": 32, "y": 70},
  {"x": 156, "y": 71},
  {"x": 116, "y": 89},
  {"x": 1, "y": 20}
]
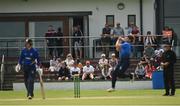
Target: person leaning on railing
[
  {"x": 117, "y": 32},
  {"x": 106, "y": 39},
  {"x": 50, "y": 40}
]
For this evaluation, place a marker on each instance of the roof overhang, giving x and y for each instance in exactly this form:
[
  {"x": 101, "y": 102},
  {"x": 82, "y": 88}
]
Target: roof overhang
[{"x": 30, "y": 14}]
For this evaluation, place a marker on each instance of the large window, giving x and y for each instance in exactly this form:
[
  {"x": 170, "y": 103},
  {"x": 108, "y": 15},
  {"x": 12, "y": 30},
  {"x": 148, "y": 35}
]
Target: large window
[
  {"x": 38, "y": 29},
  {"x": 13, "y": 30}
]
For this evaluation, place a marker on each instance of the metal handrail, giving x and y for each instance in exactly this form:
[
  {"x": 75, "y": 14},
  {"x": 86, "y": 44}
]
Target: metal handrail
[{"x": 40, "y": 43}]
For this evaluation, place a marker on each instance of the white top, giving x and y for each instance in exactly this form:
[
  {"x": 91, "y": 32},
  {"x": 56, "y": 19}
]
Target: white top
[
  {"x": 53, "y": 62},
  {"x": 69, "y": 63},
  {"x": 158, "y": 52},
  {"x": 89, "y": 69},
  {"x": 73, "y": 69},
  {"x": 103, "y": 62}
]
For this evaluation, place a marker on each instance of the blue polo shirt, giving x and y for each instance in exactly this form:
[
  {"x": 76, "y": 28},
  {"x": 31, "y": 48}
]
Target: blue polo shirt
[
  {"x": 125, "y": 50},
  {"x": 28, "y": 57}
]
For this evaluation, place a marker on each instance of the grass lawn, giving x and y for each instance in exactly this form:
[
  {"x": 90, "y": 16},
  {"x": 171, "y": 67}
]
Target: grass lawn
[{"x": 91, "y": 98}]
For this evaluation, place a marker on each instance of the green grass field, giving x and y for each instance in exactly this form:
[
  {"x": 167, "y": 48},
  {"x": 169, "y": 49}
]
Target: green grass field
[{"x": 91, "y": 98}]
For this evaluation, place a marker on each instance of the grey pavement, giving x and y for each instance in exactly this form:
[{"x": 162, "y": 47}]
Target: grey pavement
[{"x": 97, "y": 85}]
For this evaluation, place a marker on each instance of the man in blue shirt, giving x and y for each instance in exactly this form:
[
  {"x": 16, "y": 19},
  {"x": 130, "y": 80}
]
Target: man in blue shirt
[
  {"x": 123, "y": 45},
  {"x": 28, "y": 59}
]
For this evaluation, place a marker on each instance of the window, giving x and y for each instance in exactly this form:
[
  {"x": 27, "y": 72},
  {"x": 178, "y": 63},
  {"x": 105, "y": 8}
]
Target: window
[
  {"x": 131, "y": 19},
  {"x": 110, "y": 20}
]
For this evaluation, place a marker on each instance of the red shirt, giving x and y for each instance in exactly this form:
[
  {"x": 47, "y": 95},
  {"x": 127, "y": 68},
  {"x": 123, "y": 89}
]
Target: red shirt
[{"x": 135, "y": 31}]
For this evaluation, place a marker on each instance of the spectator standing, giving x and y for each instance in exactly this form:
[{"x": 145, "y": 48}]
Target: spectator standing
[
  {"x": 77, "y": 42},
  {"x": 50, "y": 40},
  {"x": 129, "y": 28},
  {"x": 59, "y": 42},
  {"x": 167, "y": 35},
  {"x": 88, "y": 71},
  {"x": 106, "y": 39},
  {"x": 138, "y": 43},
  {"x": 117, "y": 31},
  {"x": 168, "y": 61}
]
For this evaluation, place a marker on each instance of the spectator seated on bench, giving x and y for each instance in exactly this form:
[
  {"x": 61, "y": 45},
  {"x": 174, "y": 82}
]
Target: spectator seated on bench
[
  {"x": 88, "y": 71},
  {"x": 103, "y": 65},
  {"x": 75, "y": 69},
  {"x": 112, "y": 63},
  {"x": 64, "y": 73}
]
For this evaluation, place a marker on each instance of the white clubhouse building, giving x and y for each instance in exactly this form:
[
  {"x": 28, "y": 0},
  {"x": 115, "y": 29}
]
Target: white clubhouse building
[{"x": 20, "y": 18}]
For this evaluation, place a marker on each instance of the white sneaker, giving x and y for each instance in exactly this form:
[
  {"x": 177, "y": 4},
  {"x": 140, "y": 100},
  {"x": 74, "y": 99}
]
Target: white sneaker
[
  {"x": 29, "y": 97},
  {"x": 110, "y": 90}
]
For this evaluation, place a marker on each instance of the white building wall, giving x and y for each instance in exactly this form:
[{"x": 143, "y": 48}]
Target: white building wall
[
  {"x": 99, "y": 8},
  {"x": 149, "y": 16}
]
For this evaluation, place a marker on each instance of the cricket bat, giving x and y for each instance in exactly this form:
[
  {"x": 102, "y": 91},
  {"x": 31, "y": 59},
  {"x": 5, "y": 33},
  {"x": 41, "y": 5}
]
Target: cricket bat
[{"x": 41, "y": 83}]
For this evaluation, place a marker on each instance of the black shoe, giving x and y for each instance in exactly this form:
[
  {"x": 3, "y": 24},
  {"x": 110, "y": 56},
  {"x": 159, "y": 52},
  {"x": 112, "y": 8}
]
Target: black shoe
[
  {"x": 166, "y": 94},
  {"x": 172, "y": 94}
]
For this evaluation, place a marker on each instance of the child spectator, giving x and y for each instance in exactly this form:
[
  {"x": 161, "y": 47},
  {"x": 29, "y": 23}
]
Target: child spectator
[
  {"x": 75, "y": 70},
  {"x": 140, "y": 71},
  {"x": 64, "y": 73},
  {"x": 69, "y": 61},
  {"x": 149, "y": 69},
  {"x": 88, "y": 71},
  {"x": 112, "y": 63},
  {"x": 103, "y": 65}
]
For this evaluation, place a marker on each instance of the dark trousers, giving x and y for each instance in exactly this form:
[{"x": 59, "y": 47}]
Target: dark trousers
[
  {"x": 59, "y": 51},
  {"x": 29, "y": 76},
  {"x": 120, "y": 70},
  {"x": 51, "y": 52},
  {"x": 169, "y": 82},
  {"x": 105, "y": 48}
]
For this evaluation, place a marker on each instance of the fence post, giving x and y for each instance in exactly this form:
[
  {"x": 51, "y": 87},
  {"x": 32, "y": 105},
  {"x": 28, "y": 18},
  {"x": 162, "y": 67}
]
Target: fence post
[{"x": 2, "y": 72}]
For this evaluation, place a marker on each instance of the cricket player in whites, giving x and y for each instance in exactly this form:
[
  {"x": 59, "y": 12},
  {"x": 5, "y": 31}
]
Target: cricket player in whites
[{"x": 28, "y": 60}]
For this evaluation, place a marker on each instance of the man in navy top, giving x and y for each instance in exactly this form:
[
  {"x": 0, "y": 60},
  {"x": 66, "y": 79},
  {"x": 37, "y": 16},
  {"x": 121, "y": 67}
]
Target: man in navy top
[
  {"x": 28, "y": 60},
  {"x": 123, "y": 45}
]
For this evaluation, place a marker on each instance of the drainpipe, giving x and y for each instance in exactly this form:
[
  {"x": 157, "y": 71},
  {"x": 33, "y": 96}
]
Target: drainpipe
[{"x": 141, "y": 16}]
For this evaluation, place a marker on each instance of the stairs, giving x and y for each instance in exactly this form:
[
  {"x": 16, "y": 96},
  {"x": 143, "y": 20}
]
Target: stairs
[{"x": 177, "y": 73}]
